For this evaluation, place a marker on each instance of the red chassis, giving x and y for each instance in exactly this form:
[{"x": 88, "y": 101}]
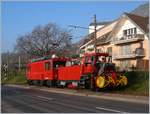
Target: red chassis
[{"x": 95, "y": 71}]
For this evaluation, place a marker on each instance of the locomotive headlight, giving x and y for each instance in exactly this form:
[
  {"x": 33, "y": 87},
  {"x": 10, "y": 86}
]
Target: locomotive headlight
[{"x": 46, "y": 78}]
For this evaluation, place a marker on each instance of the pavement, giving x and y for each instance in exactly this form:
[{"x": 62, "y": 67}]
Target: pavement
[{"x": 31, "y": 99}]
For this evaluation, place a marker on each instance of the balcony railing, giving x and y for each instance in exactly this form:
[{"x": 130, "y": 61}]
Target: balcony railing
[
  {"x": 139, "y": 52},
  {"x": 129, "y": 38}
]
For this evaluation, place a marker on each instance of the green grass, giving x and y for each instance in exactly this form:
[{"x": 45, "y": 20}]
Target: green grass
[
  {"x": 138, "y": 83},
  {"x": 15, "y": 78}
]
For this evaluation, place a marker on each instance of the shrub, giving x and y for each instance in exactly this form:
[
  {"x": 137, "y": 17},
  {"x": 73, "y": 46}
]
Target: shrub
[
  {"x": 16, "y": 77},
  {"x": 138, "y": 82}
]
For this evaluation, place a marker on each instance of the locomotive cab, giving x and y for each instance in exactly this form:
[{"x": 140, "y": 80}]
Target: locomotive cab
[
  {"x": 44, "y": 71},
  {"x": 100, "y": 72},
  {"x": 93, "y": 62}
]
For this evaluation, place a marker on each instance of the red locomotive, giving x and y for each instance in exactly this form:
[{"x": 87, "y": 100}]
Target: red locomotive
[{"x": 96, "y": 70}]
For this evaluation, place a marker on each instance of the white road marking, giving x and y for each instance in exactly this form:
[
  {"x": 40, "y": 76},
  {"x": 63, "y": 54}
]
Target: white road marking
[
  {"x": 75, "y": 107},
  {"x": 108, "y": 109},
  {"x": 47, "y": 98},
  {"x": 65, "y": 104}
]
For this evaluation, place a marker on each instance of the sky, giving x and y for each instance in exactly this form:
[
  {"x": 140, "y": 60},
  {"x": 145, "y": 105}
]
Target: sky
[{"x": 19, "y": 18}]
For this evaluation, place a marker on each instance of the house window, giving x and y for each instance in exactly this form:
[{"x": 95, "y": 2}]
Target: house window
[
  {"x": 98, "y": 50},
  {"x": 125, "y": 64},
  {"x": 132, "y": 31},
  {"x": 129, "y": 32},
  {"x": 47, "y": 66},
  {"x": 82, "y": 51},
  {"x": 109, "y": 50},
  {"x": 125, "y": 32},
  {"x": 125, "y": 50},
  {"x": 135, "y": 31}
]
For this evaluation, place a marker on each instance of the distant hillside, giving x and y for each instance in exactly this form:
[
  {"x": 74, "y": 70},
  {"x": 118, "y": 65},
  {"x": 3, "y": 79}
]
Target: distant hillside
[{"x": 142, "y": 10}]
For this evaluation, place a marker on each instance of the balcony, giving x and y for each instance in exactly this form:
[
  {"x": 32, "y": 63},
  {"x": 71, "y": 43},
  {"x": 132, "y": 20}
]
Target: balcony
[
  {"x": 138, "y": 53},
  {"x": 129, "y": 39}
]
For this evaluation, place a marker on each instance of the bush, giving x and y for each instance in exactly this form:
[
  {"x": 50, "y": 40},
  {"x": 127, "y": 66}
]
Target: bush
[
  {"x": 15, "y": 77},
  {"x": 138, "y": 82}
]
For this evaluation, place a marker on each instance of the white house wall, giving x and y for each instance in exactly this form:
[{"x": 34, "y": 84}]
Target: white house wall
[
  {"x": 146, "y": 47},
  {"x": 127, "y": 25},
  {"x": 101, "y": 32},
  {"x": 106, "y": 29},
  {"x": 92, "y": 27}
]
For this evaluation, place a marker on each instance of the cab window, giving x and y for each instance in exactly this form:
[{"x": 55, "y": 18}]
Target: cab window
[
  {"x": 57, "y": 64},
  {"x": 47, "y": 66},
  {"x": 88, "y": 60}
]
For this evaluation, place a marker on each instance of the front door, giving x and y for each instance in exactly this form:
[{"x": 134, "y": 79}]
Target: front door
[{"x": 48, "y": 71}]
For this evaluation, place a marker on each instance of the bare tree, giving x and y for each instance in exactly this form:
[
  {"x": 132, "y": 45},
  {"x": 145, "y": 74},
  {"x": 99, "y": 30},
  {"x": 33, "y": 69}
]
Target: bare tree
[{"x": 45, "y": 40}]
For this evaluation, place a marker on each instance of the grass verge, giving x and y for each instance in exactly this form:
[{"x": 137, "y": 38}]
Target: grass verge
[
  {"x": 15, "y": 77},
  {"x": 138, "y": 82}
]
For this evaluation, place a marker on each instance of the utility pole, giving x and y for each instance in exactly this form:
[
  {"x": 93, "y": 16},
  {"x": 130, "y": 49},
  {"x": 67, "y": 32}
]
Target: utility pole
[
  {"x": 92, "y": 80},
  {"x": 19, "y": 63},
  {"x": 95, "y": 34},
  {"x": 7, "y": 62},
  {"x": 95, "y": 49}
]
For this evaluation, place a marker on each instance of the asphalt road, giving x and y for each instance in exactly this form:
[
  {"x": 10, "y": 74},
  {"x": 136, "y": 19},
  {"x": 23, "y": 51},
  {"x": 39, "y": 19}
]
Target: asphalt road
[{"x": 21, "y": 100}]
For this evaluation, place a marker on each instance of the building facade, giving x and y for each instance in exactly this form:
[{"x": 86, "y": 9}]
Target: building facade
[
  {"x": 126, "y": 39},
  {"x": 130, "y": 40}
]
